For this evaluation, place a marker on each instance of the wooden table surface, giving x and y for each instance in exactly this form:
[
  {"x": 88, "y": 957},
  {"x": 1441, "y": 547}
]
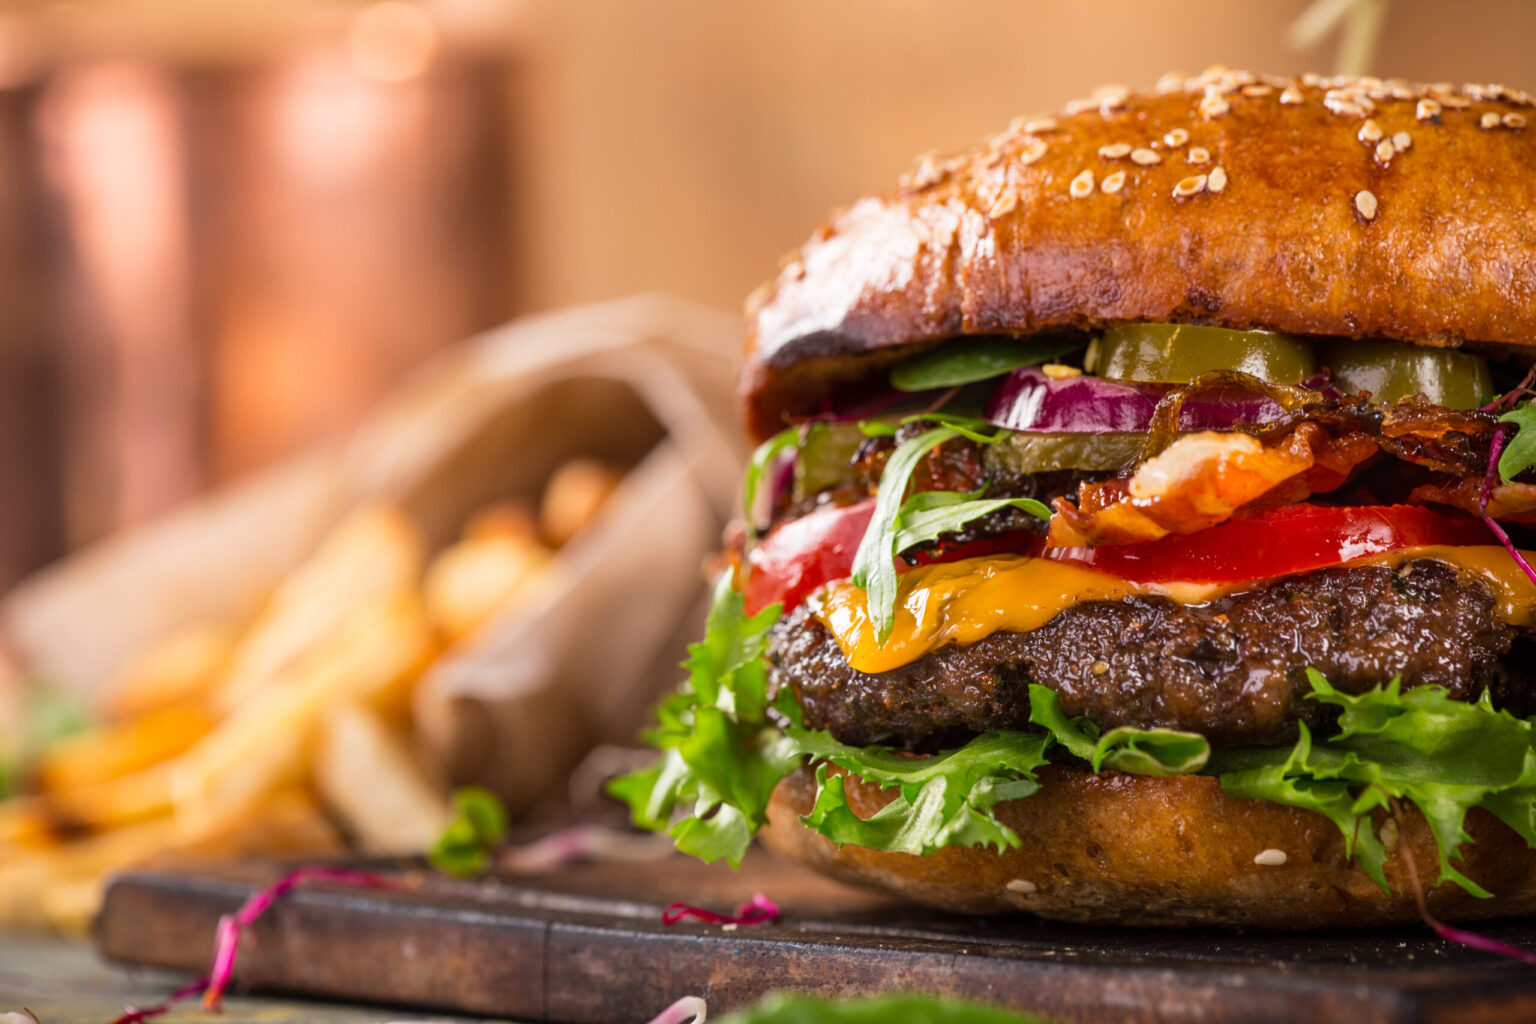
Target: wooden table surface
[{"x": 65, "y": 982}]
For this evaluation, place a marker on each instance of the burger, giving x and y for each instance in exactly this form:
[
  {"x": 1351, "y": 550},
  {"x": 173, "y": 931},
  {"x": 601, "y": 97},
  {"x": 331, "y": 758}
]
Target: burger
[{"x": 1135, "y": 532}]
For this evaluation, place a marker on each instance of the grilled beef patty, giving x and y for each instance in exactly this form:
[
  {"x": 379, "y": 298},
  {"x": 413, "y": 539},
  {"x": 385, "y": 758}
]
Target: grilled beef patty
[{"x": 1232, "y": 669}]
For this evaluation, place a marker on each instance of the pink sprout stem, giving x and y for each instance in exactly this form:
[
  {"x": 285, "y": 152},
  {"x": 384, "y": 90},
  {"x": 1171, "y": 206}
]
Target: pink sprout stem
[
  {"x": 1482, "y": 942},
  {"x": 758, "y": 910},
  {"x": 687, "y": 1010},
  {"x": 230, "y": 925},
  {"x": 132, "y": 1015},
  {"x": 1494, "y": 450}
]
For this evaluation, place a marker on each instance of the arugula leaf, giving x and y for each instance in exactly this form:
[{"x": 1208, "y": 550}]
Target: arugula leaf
[
  {"x": 972, "y": 359},
  {"x": 1443, "y": 755},
  {"x": 478, "y": 825},
  {"x": 782, "y": 1008},
  {"x": 752, "y": 481},
  {"x": 944, "y": 800},
  {"x": 719, "y": 752},
  {"x": 1519, "y": 454},
  {"x": 874, "y": 567},
  {"x": 926, "y": 516},
  {"x": 1126, "y": 749}
]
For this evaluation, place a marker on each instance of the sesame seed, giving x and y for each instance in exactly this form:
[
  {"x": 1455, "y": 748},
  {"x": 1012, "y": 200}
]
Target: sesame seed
[
  {"x": 1514, "y": 121},
  {"x": 1022, "y": 886},
  {"x": 1311, "y": 78},
  {"x": 1198, "y": 155},
  {"x": 1213, "y": 107},
  {"x": 1115, "y": 150},
  {"x": 1189, "y": 186},
  {"x": 1402, "y": 140},
  {"x": 1427, "y": 110},
  {"x": 1113, "y": 183},
  {"x": 1455, "y": 102},
  {"x": 1176, "y": 137},
  {"x": 1216, "y": 180},
  {"x": 1366, "y": 204},
  {"x": 1032, "y": 150},
  {"x": 1257, "y": 90},
  {"x": 1489, "y": 120},
  {"x": 1291, "y": 96},
  {"x": 1173, "y": 81},
  {"x": 1004, "y": 205},
  {"x": 1370, "y": 131},
  {"x": 1385, "y": 151},
  {"x": 1146, "y": 157},
  {"x": 1270, "y": 858},
  {"x": 1039, "y": 125},
  {"x": 1081, "y": 185}
]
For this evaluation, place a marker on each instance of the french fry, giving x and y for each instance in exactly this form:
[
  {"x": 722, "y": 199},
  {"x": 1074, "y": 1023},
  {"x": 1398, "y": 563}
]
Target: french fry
[
  {"x": 367, "y": 777},
  {"x": 181, "y": 668},
  {"x": 375, "y": 552},
  {"x": 372, "y": 657},
  {"x": 474, "y": 579},
  {"x": 142, "y": 794},
  {"x": 62, "y": 887},
  {"x": 121, "y": 748},
  {"x": 573, "y": 496}
]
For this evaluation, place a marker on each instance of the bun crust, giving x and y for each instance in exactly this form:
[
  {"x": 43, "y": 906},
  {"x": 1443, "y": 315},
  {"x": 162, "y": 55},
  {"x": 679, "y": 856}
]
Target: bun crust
[
  {"x": 1164, "y": 852},
  {"x": 1318, "y": 223}
]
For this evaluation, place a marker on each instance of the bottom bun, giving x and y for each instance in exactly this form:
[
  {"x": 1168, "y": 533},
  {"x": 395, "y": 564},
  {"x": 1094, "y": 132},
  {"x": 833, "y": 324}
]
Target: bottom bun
[{"x": 1112, "y": 848}]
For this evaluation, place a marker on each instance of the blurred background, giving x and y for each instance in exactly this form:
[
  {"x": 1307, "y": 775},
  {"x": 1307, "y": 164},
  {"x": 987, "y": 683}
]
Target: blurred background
[{"x": 226, "y": 228}]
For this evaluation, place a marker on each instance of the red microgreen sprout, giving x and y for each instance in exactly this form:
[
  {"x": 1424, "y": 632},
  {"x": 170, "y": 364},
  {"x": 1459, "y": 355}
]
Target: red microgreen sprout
[
  {"x": 687, "y": 1010},
  {"x": 1461, "y": 936},
  {"x": 230, "y": 925},
  {"x": 132, "y": 1015},
  {"x": 1494, "y": 450},
  {"x": 758, "y": 910}
]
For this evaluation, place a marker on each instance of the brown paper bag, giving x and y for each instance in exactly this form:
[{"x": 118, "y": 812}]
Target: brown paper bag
[{"x": 645, "y": 382}]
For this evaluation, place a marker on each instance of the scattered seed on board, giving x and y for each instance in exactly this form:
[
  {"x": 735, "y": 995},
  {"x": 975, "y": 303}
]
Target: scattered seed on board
[
  {"x": 1146, "y": 157},
  {"x": 1216, "y": 180},
  {"x": 1115, "y": 150},
  {"x": 1365, "y": 204},
  {"x": 1113, "y": 183},
  {"x": 1198, "y": 155},
  {"x": 1189, "y": 186},
  {"x": 1082, "y": 185},
  {"x": 1270, "y": 858}
]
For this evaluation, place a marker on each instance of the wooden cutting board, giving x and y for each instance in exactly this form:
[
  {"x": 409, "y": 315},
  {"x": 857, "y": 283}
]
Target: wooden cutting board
[{"x": 587, "y": 944}]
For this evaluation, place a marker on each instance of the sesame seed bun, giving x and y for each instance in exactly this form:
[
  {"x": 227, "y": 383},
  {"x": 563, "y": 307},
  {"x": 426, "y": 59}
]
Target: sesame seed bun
[
  {"x": 1112, "y": 848},
  {"x": 1353, "y": 208}
]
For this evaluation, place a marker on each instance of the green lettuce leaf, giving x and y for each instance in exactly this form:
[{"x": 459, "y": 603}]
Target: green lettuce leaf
[
  {"x": 782, "y": 1008},
  {"x": 943, "y": 800},
  {"x": 721, "y": 757},
  {"x": 1519, "y": 454},
  {"x": 1442, "y": 755},
  {"x": 1126, "y": 749},
  {"x": 964, "y": 362}
]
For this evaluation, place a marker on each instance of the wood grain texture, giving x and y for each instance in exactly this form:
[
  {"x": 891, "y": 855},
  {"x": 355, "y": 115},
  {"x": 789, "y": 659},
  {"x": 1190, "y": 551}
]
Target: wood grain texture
[
  {"x": 1314, "y": 230},
  {"x": 588, "y": 945}
]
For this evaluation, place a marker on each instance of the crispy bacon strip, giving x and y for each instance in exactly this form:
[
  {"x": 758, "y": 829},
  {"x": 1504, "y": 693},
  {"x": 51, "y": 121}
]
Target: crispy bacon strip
[
  {"x": 1509, "y": 503},
  {"x": 1202, "y": 479}
]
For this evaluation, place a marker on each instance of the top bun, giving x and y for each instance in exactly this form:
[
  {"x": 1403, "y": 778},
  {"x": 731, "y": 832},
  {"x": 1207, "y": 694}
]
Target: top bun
[{"x": 1326, "y": 206}]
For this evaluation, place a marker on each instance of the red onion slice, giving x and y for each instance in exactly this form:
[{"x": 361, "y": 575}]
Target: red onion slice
[{"x": 1028, "y": 400}]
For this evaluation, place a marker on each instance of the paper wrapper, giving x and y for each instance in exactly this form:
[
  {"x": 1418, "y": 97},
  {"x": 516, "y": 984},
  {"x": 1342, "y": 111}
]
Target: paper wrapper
[{"x": 645, "y": 382}]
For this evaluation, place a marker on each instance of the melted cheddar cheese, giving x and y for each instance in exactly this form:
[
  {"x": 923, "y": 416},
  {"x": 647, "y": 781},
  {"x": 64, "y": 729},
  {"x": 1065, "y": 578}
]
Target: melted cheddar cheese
[{"x": 962, "y": 602}]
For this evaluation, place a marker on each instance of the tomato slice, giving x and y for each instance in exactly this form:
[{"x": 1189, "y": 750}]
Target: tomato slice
[
  {"x": 1278, "y": 542},
  {"x": 799, "y": 557}
]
